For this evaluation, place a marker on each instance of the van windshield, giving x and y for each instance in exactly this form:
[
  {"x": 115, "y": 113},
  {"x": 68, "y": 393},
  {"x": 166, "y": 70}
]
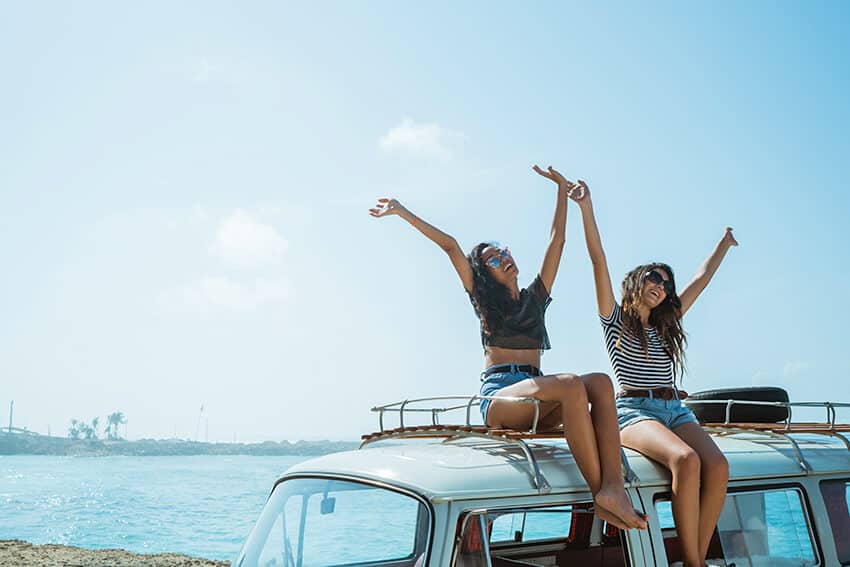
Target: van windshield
[{"x": 318, "y": 521}]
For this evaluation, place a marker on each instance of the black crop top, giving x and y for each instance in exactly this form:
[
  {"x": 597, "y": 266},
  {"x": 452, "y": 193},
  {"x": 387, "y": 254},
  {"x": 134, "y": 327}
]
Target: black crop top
[{"x": 525, "y": 326}]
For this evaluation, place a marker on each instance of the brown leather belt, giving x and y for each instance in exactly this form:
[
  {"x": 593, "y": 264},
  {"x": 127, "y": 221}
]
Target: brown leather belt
[{"x": 665, "y": 393}]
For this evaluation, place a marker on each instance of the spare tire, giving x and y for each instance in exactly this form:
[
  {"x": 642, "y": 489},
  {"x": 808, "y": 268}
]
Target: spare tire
[{"x": 741, "y": 413}]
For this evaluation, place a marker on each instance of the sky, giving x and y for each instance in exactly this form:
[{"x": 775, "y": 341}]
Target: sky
[{"x": 184, "y": 192}]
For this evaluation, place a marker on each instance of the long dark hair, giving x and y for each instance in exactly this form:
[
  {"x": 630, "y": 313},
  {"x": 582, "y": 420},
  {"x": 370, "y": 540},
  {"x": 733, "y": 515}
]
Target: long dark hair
[
  {"x": 665, "y": 317},
  {"x": 490, "y": 298}
]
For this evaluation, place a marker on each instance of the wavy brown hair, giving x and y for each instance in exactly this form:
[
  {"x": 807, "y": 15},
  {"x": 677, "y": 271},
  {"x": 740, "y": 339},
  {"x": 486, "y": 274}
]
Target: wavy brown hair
[
  {"x": 666, "y": 317},
  {"x": 490, "y": 298}
]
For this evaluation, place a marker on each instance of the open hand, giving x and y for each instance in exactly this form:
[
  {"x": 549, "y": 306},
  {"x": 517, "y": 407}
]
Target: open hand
[
  {"x": 729, "y": 238},
  {"x": 555, "y": 175},
  {"x": 385, "y": 207}
]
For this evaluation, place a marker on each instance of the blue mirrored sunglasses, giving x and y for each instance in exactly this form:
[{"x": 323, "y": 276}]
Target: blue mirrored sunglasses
[{"x": 496, "y": 260}]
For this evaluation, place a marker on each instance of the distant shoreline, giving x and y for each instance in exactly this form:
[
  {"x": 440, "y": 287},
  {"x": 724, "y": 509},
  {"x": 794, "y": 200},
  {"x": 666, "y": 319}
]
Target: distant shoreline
[
  {"x": 34, "y": 444},
  {"x": 17, "y": 552}
]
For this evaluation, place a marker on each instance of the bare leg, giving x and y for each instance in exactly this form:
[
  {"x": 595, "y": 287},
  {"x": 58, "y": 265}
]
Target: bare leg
[
  {"x": 714, "y": 479},
  {"x": 603, "y": 412},
  {"x": 570, "y": 392},
  {"x": 657, "y": 442},
  {"x": 550, "y": 418}
]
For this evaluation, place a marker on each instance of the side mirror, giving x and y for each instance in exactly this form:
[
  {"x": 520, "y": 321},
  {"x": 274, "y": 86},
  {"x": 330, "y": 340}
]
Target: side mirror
[{"x": 327, "y": 506}]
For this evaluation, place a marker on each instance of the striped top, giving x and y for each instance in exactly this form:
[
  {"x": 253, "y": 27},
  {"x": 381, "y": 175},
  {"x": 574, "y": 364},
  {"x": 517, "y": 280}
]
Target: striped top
[{"x": 634, "y": 368}]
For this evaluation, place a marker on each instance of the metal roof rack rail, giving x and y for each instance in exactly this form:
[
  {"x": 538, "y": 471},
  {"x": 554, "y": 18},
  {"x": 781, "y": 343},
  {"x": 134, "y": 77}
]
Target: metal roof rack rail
[
  {"x": 780, "y": 430},
  {"x": 516, "y": 438}
]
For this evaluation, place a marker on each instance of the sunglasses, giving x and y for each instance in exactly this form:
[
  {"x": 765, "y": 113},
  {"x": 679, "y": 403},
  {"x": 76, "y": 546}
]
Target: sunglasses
[
  {"x": 496, "y": 260},
  {"x": 656, "y": 278}
]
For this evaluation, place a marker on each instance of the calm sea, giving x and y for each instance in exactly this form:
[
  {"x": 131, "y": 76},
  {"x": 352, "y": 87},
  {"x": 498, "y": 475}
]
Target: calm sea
[{"x": 202, "y": 506}]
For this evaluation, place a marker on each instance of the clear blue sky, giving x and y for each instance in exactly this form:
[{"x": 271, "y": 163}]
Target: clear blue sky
[{"x": 184, "y": 191}]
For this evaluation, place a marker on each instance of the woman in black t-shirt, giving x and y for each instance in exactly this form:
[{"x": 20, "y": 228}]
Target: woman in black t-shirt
[{"x": 514, "y": 335}]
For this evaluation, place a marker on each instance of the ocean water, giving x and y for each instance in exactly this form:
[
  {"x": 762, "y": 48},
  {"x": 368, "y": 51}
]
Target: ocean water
[
  {"x": 200, "y": 505},
  {"x": 205, "y": 506}
]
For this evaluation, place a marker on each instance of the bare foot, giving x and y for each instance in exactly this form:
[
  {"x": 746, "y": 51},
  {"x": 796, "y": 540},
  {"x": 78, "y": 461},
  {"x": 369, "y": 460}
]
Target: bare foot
[
  {"x": 617, "y": 502},
  {"x": 609, "y": 517}
]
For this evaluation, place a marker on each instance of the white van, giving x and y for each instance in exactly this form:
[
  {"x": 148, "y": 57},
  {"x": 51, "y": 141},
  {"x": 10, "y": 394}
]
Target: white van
[{"x": 463, "y": 495}]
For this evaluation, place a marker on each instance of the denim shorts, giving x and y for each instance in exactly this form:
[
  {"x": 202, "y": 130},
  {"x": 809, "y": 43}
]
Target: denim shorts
[
  {"x": 671, "y": 413},
  {"x": 491, "y": 384}
]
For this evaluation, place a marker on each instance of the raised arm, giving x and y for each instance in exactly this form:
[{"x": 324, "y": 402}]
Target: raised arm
[
  {"x": 386, "y": 207},
  {"x": 557, "y": 234},
  {"x": 601, "y": 276},
  {"x": 707, "y": 270}
]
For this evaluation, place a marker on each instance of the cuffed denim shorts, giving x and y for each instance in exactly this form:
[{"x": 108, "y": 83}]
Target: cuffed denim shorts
[
  {"x": 671, "y": 413},
  {"x": 491, "y": 384}
]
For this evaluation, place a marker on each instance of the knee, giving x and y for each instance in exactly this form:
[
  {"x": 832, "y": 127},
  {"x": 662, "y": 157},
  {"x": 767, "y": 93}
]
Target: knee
[
  {"x": 685, "y": 463},
  {"x": 599, "y": 384},
  {"x": 572, "y": 389},
  {"x": 716, "y": 468}
]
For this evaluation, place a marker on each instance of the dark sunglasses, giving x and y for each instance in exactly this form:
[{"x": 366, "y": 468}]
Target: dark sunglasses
[
  {"x": 656, "y": 278},
  {"x": 496, "y": 260}
]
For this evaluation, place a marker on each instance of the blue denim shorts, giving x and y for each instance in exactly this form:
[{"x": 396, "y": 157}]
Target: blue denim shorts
[
  {"x": 671, "y": 413},
  {"x": 490, "y": 386}
]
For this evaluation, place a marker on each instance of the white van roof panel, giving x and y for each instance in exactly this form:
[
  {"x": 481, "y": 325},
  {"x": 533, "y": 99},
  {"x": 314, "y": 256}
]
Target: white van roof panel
[{"x": 476, "y": 468}]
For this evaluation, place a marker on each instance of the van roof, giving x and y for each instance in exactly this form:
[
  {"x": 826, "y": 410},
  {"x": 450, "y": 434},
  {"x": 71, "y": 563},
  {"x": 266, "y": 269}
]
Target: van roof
[{"x": 483, "y": 468}]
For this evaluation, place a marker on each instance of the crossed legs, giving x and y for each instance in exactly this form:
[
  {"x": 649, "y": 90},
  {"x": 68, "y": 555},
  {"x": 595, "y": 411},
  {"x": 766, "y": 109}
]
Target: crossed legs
[{"x": 593, "y": 436}]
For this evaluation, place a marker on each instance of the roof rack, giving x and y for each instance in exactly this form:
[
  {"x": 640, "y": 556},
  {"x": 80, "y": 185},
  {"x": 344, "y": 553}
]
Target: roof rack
[
  {"x": 435, "y": 429},
  {"x": 780, "y": 430}
]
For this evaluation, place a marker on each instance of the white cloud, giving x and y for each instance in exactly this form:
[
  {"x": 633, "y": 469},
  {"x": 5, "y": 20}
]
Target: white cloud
[
  {"x": 243, "y": 241},
  {"x": 422, "y": 139},
  {"x": 219, "y": 292},
  {"x": 759, "y": 378},
  {"x": 794, "y": 368}
]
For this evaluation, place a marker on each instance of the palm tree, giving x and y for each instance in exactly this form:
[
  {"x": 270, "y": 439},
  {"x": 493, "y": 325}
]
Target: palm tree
[
  {"x": 74, "y": 430},
  {"x": 91, "y": 431},
  {"x": 113, "y": 420},
  {"x": 87, "y": 431}
]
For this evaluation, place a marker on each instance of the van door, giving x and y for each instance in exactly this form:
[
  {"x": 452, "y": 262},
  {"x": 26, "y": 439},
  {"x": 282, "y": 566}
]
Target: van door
[
  {"x": 759, "y": 526},
  {"x": 549, "y": 535}
]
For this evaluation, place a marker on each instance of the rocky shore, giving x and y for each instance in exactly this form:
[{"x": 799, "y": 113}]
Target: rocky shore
[{"x": 16, "y": 553}]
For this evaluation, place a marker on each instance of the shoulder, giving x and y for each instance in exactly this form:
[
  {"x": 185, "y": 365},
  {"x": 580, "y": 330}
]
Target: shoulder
[
  {"x": 538, "y": 289},
  {"x": 615, "y": 316}
]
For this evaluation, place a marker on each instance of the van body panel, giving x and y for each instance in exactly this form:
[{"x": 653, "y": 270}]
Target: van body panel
[{"x": 464, "y": 476}]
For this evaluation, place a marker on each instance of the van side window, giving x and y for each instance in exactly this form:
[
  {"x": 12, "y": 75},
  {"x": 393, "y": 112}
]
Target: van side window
[
  {"x": 836, "y": 496},
  {"x": 531, "y": 525},
  {"x": 470, "y": 547},
  {"x": 767, "y": 527},
  {"x": 552, "y": 535},
  {"x": 757, "y": 528}
]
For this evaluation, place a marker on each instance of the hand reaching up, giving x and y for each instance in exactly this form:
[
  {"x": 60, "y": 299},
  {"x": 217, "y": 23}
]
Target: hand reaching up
[
  {"x": 574, "y": 191},
  {"x": 385, "y": 207},
  {"x": 580, "y": 193}
]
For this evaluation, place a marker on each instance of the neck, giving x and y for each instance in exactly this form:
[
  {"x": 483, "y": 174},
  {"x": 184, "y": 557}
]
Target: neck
[
  {"x": 514, "y": 289},
  {"x": 644, "y": 312}
]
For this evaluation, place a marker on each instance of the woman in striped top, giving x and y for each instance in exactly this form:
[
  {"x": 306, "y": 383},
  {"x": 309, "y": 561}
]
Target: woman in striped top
[{"x": 645, "y": 342}]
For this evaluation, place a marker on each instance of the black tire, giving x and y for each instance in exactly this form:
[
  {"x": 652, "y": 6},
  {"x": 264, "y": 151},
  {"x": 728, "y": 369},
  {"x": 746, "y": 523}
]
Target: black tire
[{"x": 716, "y": 413}]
